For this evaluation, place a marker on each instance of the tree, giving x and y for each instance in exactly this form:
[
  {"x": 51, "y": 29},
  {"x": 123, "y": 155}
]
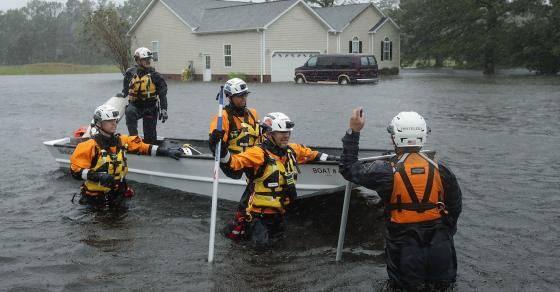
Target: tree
[{"x": 106, "y": 30}]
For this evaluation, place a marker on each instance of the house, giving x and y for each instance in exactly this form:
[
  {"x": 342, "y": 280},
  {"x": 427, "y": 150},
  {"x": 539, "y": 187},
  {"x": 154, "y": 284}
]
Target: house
[{"x": 265, "y": 41}]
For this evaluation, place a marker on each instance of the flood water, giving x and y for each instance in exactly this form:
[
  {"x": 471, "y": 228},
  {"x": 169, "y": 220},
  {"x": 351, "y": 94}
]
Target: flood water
[{"x": 498, "y": 134}]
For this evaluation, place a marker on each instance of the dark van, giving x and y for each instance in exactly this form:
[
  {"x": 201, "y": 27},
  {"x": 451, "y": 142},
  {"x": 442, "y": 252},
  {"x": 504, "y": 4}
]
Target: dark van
[{"x": 341, "y": 68}]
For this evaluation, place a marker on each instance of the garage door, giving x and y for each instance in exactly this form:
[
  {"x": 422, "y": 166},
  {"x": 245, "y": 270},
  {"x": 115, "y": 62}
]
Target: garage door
[{"x": 283, "y": 64}]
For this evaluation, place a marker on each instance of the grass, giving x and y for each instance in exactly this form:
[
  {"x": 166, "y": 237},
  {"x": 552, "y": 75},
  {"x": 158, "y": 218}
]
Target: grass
[{"x": 56, "y": 68}]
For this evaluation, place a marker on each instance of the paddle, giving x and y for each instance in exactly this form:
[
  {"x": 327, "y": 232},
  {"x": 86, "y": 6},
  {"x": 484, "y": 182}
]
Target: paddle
[
  {"x": 345, "y": 205},
  {"x": 215, "y": 183}
]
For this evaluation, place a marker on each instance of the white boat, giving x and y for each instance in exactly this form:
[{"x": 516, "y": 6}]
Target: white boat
[{"x": 193, "y": 173}]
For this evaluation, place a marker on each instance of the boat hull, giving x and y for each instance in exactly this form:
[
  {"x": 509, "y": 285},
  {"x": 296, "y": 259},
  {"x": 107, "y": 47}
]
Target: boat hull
[{"x": 194, "y": 173}]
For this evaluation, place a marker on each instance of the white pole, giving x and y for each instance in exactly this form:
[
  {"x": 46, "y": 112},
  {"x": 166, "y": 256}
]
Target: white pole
[{"x": 215, "y": 183}]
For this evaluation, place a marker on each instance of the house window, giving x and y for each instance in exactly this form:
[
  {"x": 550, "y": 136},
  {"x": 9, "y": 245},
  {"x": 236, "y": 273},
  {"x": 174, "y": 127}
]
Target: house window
[
  {"x": 227, "y": 55},
  {"x": 386, "y": 50},
  {"x": 155, "y": 50},
  {"x": 355, "y": 45}
]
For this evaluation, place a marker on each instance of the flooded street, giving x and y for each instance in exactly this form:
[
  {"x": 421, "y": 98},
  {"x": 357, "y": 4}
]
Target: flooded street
[{"x": 498, "y": 134}]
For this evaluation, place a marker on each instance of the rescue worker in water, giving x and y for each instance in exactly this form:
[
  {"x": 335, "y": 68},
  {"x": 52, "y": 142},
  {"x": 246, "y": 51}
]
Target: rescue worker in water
[
  {"x": 422, "y": 203},
  {"x": 101, "y": 161},
  {"x": 147, "y": 95},
  {"x": 271, "y": 169},
  {"x": 241, "y": 130}
]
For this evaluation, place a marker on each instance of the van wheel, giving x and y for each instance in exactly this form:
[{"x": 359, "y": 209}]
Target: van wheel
[
  {"x": 343, "y": 81},
  {"x": 300, "y": 80}
]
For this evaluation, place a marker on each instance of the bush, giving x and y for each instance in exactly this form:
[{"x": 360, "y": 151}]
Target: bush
[
  {"x": 240, "y": 75},
  {"x": 389, "y": 71}
]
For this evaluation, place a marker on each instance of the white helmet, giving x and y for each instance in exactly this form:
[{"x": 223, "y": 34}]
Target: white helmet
[
  {"x": 277, "y": 122},
  {"x": 408, "y": 129},
  {"x": 105, "y": 113},
  {"x": 142, "y": 53},
  {"x": 235, "y": 86}
]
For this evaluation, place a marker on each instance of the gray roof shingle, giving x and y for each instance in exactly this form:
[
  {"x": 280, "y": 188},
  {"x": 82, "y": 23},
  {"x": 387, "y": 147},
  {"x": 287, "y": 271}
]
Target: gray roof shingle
[
  {"x": 339, "y": 16},
  {"x": 192, "y": 11}
]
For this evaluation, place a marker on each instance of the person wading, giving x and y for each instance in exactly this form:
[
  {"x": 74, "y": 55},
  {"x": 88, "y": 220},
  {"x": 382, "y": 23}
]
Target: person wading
[
  {"x": 272, "y": 169},
  {"x": 422, "y": 203},
  {"x": 101, "y": 162},
  {"x": 241, "y": 130},
  {"x": 147, "y": 95}
]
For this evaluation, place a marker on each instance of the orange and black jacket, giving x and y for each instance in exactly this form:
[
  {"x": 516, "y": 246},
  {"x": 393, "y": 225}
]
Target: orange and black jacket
[
  {"x": 239, "y": 138},
  {"x": 381, "y": 176},
  {"x": 88, "y": 153}
]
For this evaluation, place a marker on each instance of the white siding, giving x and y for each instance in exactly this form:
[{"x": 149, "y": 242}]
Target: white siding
[
  {"x": 177, "y": 43},
  {"x": 298, "y": 29},
  {"x": 333, "y": 39},
  {"x": 392, "y": 32},
  {"x": 360, "y": 27},
  {"x": 245, "y": 51}
]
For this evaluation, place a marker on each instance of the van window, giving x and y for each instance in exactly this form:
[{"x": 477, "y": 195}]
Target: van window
[
  {"x": 343, "y": 62},
  {"x": 324, "y": 61},
  {"x": 372, "y": 60},
  {"x": 312, "y": 62},
  {"x": 364, "y": 61}
]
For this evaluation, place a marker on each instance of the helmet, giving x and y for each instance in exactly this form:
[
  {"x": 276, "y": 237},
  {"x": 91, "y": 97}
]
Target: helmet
[
  {"x": 105, "y": 113},
  {"x": 408, "y": 129},
  {"x": 277, "y": 122},
  {"x": 142, "y": 53},
  {"x": 235, "y": 86}
]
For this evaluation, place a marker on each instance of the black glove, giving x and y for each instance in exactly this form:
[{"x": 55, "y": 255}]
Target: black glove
[
  {"x": 333, "y": 158},
  {"x": 163, "y": 115},
  {"x": 214, "y": 138},
  {"x": 174, "y": 153},
  {"x": 223, "y": 150},
  {"x": 105, "y": 179},
  {"x": 120, "y": 95}
]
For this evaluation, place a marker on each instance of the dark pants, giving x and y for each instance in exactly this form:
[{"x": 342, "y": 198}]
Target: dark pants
[
  {"x": 266, "y": 229},
  {"x": 149, "y": 116},
  {"x": 421, "y": 256}
]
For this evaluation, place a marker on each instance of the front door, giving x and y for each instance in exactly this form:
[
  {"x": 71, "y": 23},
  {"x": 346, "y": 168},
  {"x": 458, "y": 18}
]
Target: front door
[{"x": 207, "y": 75}]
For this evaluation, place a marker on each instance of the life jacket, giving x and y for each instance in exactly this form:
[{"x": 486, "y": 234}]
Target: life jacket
[
  {"x": 415, "y": 174},
  {"x": 142, "y": 88},
  {"x": 105, "y": 161},
  {"x": 273, "y": 184},
  {"x": 248, "y": 135}
]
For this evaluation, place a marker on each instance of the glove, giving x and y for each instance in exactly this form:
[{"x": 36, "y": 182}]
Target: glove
[
  {"x": 174, "y": 153},
  {"x": 333, "y": 158},
  {"x": 105, "y": 179},
  {"x": 214, "y": 138},
  {"x": 120, "y": 95},
  {"x": 163, "y": 115}
]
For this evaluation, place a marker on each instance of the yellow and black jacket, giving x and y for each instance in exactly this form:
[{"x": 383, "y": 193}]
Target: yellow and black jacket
[
  {"x": 272, "y": 175},
  {"x": 240, "y": 131},
  {"x": 145, "y": 87},
  {"x": 101, "y": 154}
]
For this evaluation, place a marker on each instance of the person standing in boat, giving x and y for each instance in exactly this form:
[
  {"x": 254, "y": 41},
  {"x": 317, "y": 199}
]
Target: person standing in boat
[
  {"x": 422, "y": 203},
  {"x": 241, "y": 130},
  {"x": 101, "y": 161},
  {"x": 271, "y": 169},
  {"x": 147, "y": 95}
]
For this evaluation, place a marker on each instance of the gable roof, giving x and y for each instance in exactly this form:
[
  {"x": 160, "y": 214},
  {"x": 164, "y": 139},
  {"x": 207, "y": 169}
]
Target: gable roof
[
  {"x": 340, "y": 17},
  {"x": 381, "y": 22},
  {"x": 213, "y": 16}
]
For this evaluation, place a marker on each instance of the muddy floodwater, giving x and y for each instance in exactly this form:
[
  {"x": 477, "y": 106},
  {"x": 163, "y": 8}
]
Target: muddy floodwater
[{"x": 499, "y": 134}]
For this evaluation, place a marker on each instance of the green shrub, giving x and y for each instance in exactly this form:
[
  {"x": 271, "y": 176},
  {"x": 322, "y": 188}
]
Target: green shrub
[
  {"x": 389, "y": 71},
  {"x": 240, "y": 75}
]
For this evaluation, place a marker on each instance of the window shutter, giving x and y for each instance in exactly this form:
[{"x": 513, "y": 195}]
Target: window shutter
[
  {"x": 350, "y": 47},
  {"x": 391, "y": 51},
  {"x": 360, "y": 50},
  {"x": 381, "y": 51}
]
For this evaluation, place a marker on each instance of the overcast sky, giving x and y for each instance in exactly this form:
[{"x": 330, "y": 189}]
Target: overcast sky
[{"x": 11, "y": 4}]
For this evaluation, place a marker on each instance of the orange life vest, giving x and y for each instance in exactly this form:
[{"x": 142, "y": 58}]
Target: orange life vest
[{"x": 417, "y": 190}]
